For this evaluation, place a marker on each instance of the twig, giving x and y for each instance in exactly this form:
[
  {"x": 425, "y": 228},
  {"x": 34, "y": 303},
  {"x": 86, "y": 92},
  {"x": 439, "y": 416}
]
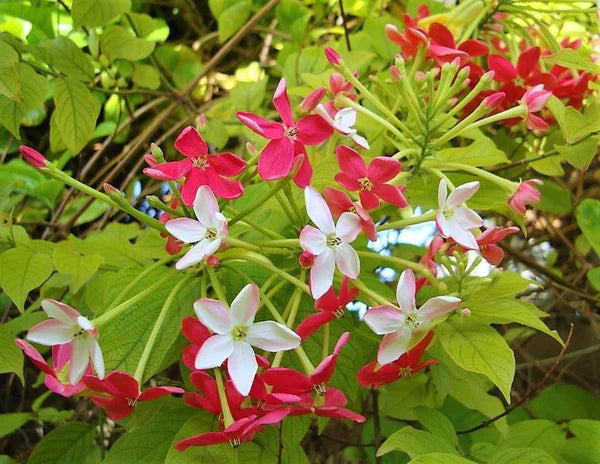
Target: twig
[{"x": 346, "y": 32}]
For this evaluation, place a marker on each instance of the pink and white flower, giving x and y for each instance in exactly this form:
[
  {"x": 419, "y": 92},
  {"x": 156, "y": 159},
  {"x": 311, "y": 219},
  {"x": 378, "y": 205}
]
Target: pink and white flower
[
  {"x": 455, "y": 220},
  {"x": 330, "y": 243},
  {"x": 399, "y": 324},
  {"x": 534, "y": 100},
  {"x": 235, "y": 333},
  {"x": 67, "y": 325},
  {"x": 207, "y": 232},
  {"x": 344, "y": 121},
  {"x": 526, "y": 193}
]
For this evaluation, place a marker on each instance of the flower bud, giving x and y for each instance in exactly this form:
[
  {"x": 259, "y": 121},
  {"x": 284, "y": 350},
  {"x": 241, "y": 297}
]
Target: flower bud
[
  {"x": 466, "y": 312},
  {"x": 113, "y": 192},
  {"x": 251, "y": 148},
  {"x": 306, "y": 259},
  {"x": 333, "y": 57},
  {"x": 202, "y": 123},
  {"x": 157, "y": 153},
  {"x": 525, "y": 193},
  {"x": 33, "y": 157},
  {"x": 312, "y": 100},
  {"x": 488, "y": 77},
  {"x": 494, "y": 100},
  {"x": 212, "y": 261},
  {"x": 396, "y": 74}
]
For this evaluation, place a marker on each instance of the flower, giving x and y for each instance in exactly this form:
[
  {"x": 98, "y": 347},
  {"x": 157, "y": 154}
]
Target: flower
[
  {"x": 340, "y": 203},
  {"x": 344, "y": 121},
  {"x": 525, "y": 193},
  {"x": 55, "y": 378},
  {"x": 172, "y": 246},
  {"x": 207, "y": 232},
  {"x": 373, "y": 375},
  {"x": 534, "y": 100},
  {"x": 122, "y": 392},
  {"x": 398, "y": 324},
  {"x": 33, "y": 157},
  {"x": 409, "y": 40},
  {"x": 287, "y": 139},
  {"x": 329, "y": 243},
  {"x": 67, "y": 325},
  {"x": 200, "y": 168},
  {"x": 235, "y": 334},
  {"x": 429, "y": 260},
  {"x": 195, "y": 332},
  {"x": 332, "y": 56},
  {"x": 454, "y": 220},
  {"x": 369, "y": 181},
  {"x": 312, "y": 100},
  {"x": 330, "y": 405},
  {"x": 330, "y": 306},
  {"x": 487, "y": 240}
]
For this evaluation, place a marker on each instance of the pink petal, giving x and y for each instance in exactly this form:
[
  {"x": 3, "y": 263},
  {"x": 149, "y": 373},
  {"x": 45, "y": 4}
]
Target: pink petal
[
  {"x": 50, "y": 332},
  {"x": 461, "y": 236},
  {"x": 493, "y": 254},
  {"x": 405, "y": 291},
  {"x": 227, "y": 164},
  {"x": 347, "y": 181},
  {"x": 383, "y": 169},
  {"x": 276, "y": 159},
  {"x": 348, "y": 227},
  {"x": 272, "y": 336},
  {"x": 268, "y": 129},
  {"x": 351, "y": 163},
  {"x": 338, "y": 201},
  {"x": 536, "y": 123},
  {"x": 58, "y": 310},
  {"x": 194, "y": 330},
  {"x": 321, "y": 274},
  {"x": 214, "y": 352},
  {"x": 384, "y": 319},
  {"x": 244, "y": 306},
  {"x": 242, "y": 367},
  {"x": 287, "y": 380},
  {"x": 313, "y": 130},
  {"x": 116, "y": 408},
  {"x": 346, "y": 260},
  {"x": 528, "y": 61},
  {"x": 474, "y": 48},
  {"x": 214, "y": 315},
  {"x": 313, "y": 240},
  {"x": 312, "y": 323},
  {"x": 204, "y": 439},
  {"x": 393, "y": 345},
  {"x": 304, "y": 175},
  {"x": 222, "y": 187},
  {"x": 157, "y": 392},
  {"x": 198, "y": 253},
  {"x": 35, "y": 357},
  {"x": 190, "y": 143},
  {"x": 441, "y": 35},
  {"x": 170, "y": 171},
  {"x": 504, "y": 70},
  {"x": 436, "y": 307},
  {"x": 281, "y": 102},
  {"x": 391, "y": 194},
  {"x": 461, "y": 194},
  {"x": 195, "y": 178}
]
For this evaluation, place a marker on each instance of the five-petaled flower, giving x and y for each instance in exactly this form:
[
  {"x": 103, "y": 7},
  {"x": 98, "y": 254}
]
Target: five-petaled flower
[
  {"x": 534, "y": 100},
  {"x": 207, "y": 232},
  {"x": 453, "y": 219},
  {"x": 399, "y": 324},
  {"x": 330, "y": 243},
  {"x": 525, "y": 193},
  {"x": 235, "y": 333},
  {"x": 200, "y": 168},
  {"x": 67, "y": 325},
  {"x": 487, "y": 243}
]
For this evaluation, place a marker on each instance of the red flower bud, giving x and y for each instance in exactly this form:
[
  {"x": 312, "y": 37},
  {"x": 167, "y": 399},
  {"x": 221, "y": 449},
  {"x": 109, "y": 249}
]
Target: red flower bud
[
  {"x": 333, "y": 57},
  {"x": 312, "y": 100},
  {"x": 306, "y": 259},
  {"x": 396, "y": 74},
  {"x": 33, "y": 157},
  {"x": 212, "y": 261},
  {"x": 494, "y": 100}
]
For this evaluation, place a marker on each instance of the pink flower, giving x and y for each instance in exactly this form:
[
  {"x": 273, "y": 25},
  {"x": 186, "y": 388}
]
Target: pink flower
[
  {"x": 344, "y": 121},
  {"x": 66, "y": 325},
  {"x": 454, "y": 220},
  {"x": 287, "y": 139},
  {"x": 200, "y": 168},
  {"x": 399, "y": 324},
  {"x": 370, "y": 181},
  {"x": 487, "y": 243},
  {"x": 534, "y": 100},
  {"x": 331, "y": 405},
  {"x": 312, "y": 100},
  {"x": 429, "y": 260},
  {"x": 329, "y": 243},
  {"x": 207, "y": 232},
  {"x": 235, "y": 335},
  {"x": 55, "y": 375},
  {"x": 33, "y": 157},
  {"x": 121, "y": 393},
  {"x": 340, "y": 203},
  {"x": 526, "y": 193},
  {"x": 197, "y": 334}
]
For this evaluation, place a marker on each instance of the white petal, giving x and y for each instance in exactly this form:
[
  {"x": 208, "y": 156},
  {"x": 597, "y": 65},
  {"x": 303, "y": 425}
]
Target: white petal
[
  {"x": 221, "y": 225},
  {"x": 313, "y": 240},
  {"x": 97, "y": 358},
  {"x": 436, "y": 307},
  {"x": 185, "y": 229},
  {"x": 214, "y": 315},
  {"x": 206, "y": 206},
  {"x": 318, "y": 211},
  {"x": 51, "y": 332},
  {"x": 348, "y": 227},
  {"x": 346, "y": 117},
  {"x": 360, "y": 141},
  {"x": 80, "y": 357},
  {"x": 384, "y": 319},
  {"x": 271, "y": 336},
  {"x": 62, "y": 312},
  {"x": 347, "y": 260},
  {"x": 242, "y": 367},
  {"x": 197, "y": 253},
  {"x": 405, "y": 291},
  {"x": 214, "y": 351},
  {"x": 244, "y": 306},
  {"x": 85, "y": 323},
  {"x": 461, "y": 194},
  {"x": 442, "y": 192},
  {"x": 321, "y": 274},
  {"x": 442, "y": 224},
  {"x": 461, "y": 236},
  {"x": 393, "y": 346},
  {"x": 467, "y": 218}
]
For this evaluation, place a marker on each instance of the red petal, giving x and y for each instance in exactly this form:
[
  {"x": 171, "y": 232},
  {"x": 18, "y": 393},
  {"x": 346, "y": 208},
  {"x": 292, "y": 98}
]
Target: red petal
[
  {"x": 414, "y": 355},
  {"x": 194, "y": 330},
  {"x": 503, "y": 68},
  {"x": 313, "y": 130},
  {"x": 195, "y": 178},
  {"x": 338, "y": 201},
  {"x": 264, "y": 127},
  {"x": 528, "y": 61},
  {"x": 391, "y": 194},
  {"x": 368, "y": 199},
  {"x": 383, "y": 169},
  {"x": 157, "y": 392},
  {"x": 198, "y": 401},
  {"x": 227, "y": 164},
  {"x": 312, "y": 323},
  {"x": 169, "y": 171},
  {"x": 304, "y": 175},
  {"x": 493, "y": 254},
  {"x": 351, "y": 162},
  {"x": 281, "y": 102},
  {"x": 340, "y": 413},
  {"x": 35, "y": 357},
  {"x": 116, "y": 408},
  {"x": 287, "y": 380},
  {"x": 441, "y": 35},
  {"x": 188, "y": 356},
  {"x": 276, "y": 159},
  {"x": 204, "y": 439},
  {"x": 347, "y": 181},
  {"x": 190, "y": 143},
  {"x": 474, "y": 48},
  {"x": 223, "y": 187}
]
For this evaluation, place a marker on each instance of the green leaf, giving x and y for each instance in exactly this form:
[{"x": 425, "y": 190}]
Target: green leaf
[
  {"x": 593, "y": 276},
  {"x": 11, "y": 357},
  {"x": 569, "y": 58},
  {"x": 68, "y": 444},
  {"x": 437, "y": 423},
  {"x": 563, "y": 401},
  {"x": 9, "y": 82},
  {"x": 476, "y": 347},
  {"x": 119, "y": 42},
  {"x": 146, "y": 76},
  {"x": 541, "y": 434},
  {"x": 507, "y": 283},
  {"x": 232, "y": 19},
  {"x": 8, "y": 55},
  {"x": 481, "y": 152},
  {"x": 522, "y": 456},
  {"x": 588, "y": 219},
  {"x": 248, "y": 96},
  {"x": 76, "y": 112},
  {"x": 555, "y": 199},
  {"x": 94, "y": 13},
  {"x": 585, "y": 447},
  {"x": 505, "y": 311},
  {"x": 12, "y": 421},
  {"x": 23, "y": 270},
  {"x": 440, "y": 458},
  {"x": 581, "y": 154},
  {"x": 415, "y": 442},
  {"x": 63, "y": 55},
  {"x": 81, "y": 268}
]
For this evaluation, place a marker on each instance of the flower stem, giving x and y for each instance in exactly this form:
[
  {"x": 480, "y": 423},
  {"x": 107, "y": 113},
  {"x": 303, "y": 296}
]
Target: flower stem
[
  {"x": 501, "y": 181},
  {"x": 422, "y": 269},
  {"x": 430, "y": 216},
  {"x": 227, "y": 416},
  {"x": 370, "y": 293},
  {"x": 274, "y": 189},
  {"x": 216, "y": 285}
]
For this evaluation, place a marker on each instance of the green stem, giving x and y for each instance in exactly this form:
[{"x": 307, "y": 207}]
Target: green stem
[
  {"x": 365, "y": 290},
  {"x": 422, "y": 269},
  {"x": 227, "y": 416},
  {"x": 501, "y": 181},
  {"x": 216, "y": 285},
  {"x": 274, "y": 189},
  {"x": 263, "y": 230},
  {"x": 430, "y": 216}
]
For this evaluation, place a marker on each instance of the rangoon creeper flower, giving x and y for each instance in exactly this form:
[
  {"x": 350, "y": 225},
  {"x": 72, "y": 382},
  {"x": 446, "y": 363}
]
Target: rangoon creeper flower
[
  {"x": 454, "y": 220},
  {"x": 330, "y": 243},
  {"x": 67, "y": 325},
  {"x": 207, "y": 232},
  {"x": 235, "y": 335},
  {"x": 534, "y": 100},
  {"x": 525, "y": 193},
  {"x": 344, "y": 121},
  {"x": 399, "y": 324}
]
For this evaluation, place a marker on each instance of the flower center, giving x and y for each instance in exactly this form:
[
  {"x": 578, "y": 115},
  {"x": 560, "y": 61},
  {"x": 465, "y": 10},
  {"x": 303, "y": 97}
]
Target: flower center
[
  {"x": 412, "y": 321},
  {"x": 352, "y": 209},
  {"x": 405, "y": 372},
  {"x": 365, "y": 184},
  {"x": 333, "y": 240},
  {"x": 340, "y": 312},
  {"x": 234, "y": 442},
  {"x": 211, "y": 234},
  {"x": 200, "y": 162},
  {"x": 291, "y": 132},
  {"x": 448, "y": 213},
  {"x": 320, "y": 389},
  {"x": 78, "y": 332},
  {"x": 239, "y": 332},
  {"x": 131, "y": 402}
]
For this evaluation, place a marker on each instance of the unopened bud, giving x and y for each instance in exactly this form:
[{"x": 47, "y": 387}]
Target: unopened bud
[
  {"x": 202, "y": 123},
  {"x": 466, "y": 312},
  {"x": 157, "y": 153},
  {"x": 212, "y": 261},
  {"x": 251, "y": 148},
  {"x": 33, "y": 157},
  {"x": 420, "y": 76},
  {"x": 488, "y": 77},
  {"x": 312, "y": 100},
  {"x": 396, "y": 74},
  {"x": 113, "y": 192},
  {"x": 150, "y": 160},
  {"x": 333, "y": 57},
  {"x": 494, "y": 100},
  {"x": 400, "y": 61},
  {"x": 306, "y": 259}
]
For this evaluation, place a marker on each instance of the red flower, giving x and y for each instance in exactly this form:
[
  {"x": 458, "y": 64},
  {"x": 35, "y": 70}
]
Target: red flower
[
  {"x": 429, "y": 260},
  {"x": 410, "y": 40},
  {"x": 122, "y": 392},
  {"x": 330, "y": 405},
  {"x": 33, "y": 157},
  {"x": 287, "y": 139},
  {"x": 195, "y": 332},
  {"x": 330, "y": 306},
  {"x": 200, "y": 168},
  {"x": 173, "y": 245},
  {"x": 487, "y": 240},
  {"x": 55, "y": 379},
  {"x": 373, "y": 375},
  {"x": 526, "y": 193},
  {"x": 339, "y": 203},
  {"x": 370, "y": 181}
]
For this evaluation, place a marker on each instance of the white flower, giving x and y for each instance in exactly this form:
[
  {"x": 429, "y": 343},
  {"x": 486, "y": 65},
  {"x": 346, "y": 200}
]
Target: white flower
[
  {"x": 207, "y": 232},
  {"x": 454, "y": 220},
  {"x": 329, "y": 243},
  {"x": 235, "y": 335},
  {"x": 344, "y": 121},
  {"x": 399, "y": 324},
  {"x": 67, "y": 325}
]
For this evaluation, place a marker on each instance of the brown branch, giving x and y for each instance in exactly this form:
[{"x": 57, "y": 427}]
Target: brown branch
[{"x": 534, "y": 391}]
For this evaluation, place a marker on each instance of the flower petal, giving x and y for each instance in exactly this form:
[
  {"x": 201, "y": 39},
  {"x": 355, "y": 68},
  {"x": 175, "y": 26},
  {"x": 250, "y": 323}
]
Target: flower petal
[
  {"x": 214, "y": 352},
  {"x": 442, "y": 193},
  {"x": 351, "y": 162},
  {"x": 461, "y": 236},
  {"x": 467, "y": 218},
  {"x": 50, "y": 332},
  {"x": 96, "y": 357},
  {"x": 321, "y": 274},
  {"x": 383, "y": 169},
  {"x": 80, "y": 357},
  {"x": 195, "y": 178},
  {"x": 214, "y": 315},
  {"x": 461, "y": 194},
  {"x": 185, "y": 229},
  {"x": 384, "y": 319},
  {"x": 312, "y": 323},
  {"x": 205, "y": 206},
  {"x": 201, "y": 250},
  {"x": 348, "y": 227},
  {"x": 405, "y": 291},
  {"x": 313, "y": 240},
  {"x": 338, "y": 201},
  {"x": 272, "y": 336},
  {"x": 345, "y": 118},
  {"x": 391, "y": 194},
  {"x": 222, "y": 187},
  {"x": 169, "y": 171},
  {"x": 281, "y": 102},
  {"x": 190, "y": 143},
  {"x": 393, "y": 345},
  {"x": 318, "y": 211},
  {"x": 313, "y": 130},
  {"x": 58, "y": 310},
  {"x": 242, "y": 367},
  {"x": 347, "y": 260},
  {"x": 268, "y": 129},
  {"x": 35, "y": 357},
  {"x": 244, "y": 306},
  {"x": 157, "y": 392},
  {"x": 436, "y": 307},
  {"x": 276, "y": 159},
  {"x": 227, "y": 164}
]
